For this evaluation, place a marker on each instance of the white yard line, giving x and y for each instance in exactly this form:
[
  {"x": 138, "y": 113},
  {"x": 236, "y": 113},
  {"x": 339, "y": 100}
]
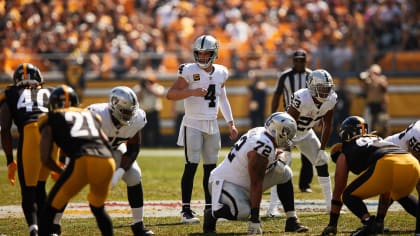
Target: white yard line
[{"x": 170, "y": 208}]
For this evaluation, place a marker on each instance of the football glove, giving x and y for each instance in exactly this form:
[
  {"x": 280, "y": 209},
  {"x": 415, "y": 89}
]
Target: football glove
[
  {"x": 11, "y": 171},
  {"x": 116, "y": 177},
  {"x": 329, "y": 230},
  {"x": 321, "y": 158},
  {"x": 55, "y": 175},
  {"x": 254, "y": 228}
]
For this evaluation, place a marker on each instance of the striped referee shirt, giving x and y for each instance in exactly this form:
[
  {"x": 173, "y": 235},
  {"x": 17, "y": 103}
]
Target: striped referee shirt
[{"x": 289, "y": 82}]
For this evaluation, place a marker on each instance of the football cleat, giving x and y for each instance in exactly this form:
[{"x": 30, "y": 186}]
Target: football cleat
[{"x": 187, "y": 216}]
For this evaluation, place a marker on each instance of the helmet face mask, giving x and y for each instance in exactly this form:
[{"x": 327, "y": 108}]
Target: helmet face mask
[
  {"x": 27, "y": 73},
  {"x": 282, "y": 127},
  {"x": 351, "y": 127},
  {"x": 123, "y": 104},
  {"x": 63, "y": 97},
  {"x": 210, "y": 46},
  {"x": 321, "y": 85}
]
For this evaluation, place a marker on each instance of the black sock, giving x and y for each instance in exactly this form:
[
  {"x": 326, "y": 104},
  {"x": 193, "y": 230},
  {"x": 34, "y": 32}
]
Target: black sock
[
  {"x": 187, "y": 183},
  {"x": 103, "y": 220}
]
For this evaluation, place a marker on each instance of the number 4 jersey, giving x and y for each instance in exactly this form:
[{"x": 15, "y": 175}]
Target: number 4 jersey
[
  {"x": 234, "y": 167},
  {"x": 77, "y": 132},
  {"x": 203, "y": 108}
]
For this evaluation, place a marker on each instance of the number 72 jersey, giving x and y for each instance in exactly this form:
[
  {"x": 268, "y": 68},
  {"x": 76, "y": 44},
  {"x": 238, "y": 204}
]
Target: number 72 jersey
[
  {"x": 234, "y": 167},
  {"x": 203, "y": 108}
]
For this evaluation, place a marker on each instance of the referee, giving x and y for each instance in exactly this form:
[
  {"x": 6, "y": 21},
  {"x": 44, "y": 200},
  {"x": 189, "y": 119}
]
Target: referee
[{"x": 291, "y": 80}]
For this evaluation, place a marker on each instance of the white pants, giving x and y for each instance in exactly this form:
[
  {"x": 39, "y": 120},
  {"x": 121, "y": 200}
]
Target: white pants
[{"x": 132, "y": 176}]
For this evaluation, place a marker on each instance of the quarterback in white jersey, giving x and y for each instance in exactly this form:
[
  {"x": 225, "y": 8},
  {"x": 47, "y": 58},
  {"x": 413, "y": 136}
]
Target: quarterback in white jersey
[
  {"x": 202, "y": 86},
  {"x": 122, "y": 122},
  {"x": 251, "y": 167},
  {"x": 309, "y": 106}
]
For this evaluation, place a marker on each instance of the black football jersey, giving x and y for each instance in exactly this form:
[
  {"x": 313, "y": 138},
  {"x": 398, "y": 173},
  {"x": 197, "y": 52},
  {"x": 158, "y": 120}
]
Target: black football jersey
[
  {"x": 366, "y": 150},
  {"x": 77, "y": 132},
  {"x": 26, "y": 104}
]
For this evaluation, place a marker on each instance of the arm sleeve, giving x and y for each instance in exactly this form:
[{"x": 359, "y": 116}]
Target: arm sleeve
[{"x": 225, "y": 106}]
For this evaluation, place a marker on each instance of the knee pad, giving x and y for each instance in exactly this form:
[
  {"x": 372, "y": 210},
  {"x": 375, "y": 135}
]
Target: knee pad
[{"x": 133, "y": 176}]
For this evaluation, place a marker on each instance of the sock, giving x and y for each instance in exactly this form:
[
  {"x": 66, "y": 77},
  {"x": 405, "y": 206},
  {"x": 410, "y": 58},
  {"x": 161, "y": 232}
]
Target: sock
[
  {"x": 273, "y": 197},
  {"x": 137, "y": 214},
  {"x": 325, "y": 183}
]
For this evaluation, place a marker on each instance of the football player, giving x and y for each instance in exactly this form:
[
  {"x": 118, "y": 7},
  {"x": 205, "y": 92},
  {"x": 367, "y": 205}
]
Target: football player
[
  {"x": 22, "y": 103},
  {"x": 79, "y": 135},
  {"x": 202, "y": 86},
  {"x": 309, "y": 106},
  {"x": 251, "y": 167},
  {"x": 123, "y": 121},
  {"x": 409, "y": 140},
  {"x": 381, "y": 167}
]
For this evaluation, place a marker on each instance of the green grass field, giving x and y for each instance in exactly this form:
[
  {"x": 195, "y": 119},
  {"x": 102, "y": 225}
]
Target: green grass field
[{"x": 161, "y": 171}]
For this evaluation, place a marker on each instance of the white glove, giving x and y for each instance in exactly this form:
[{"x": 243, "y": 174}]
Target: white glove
[
  {"x": 254, "y": 228},
  {"x": 116, "y": 177},
  {"x": 286, "y": 157},
  {"x": 321, "y": 158}
]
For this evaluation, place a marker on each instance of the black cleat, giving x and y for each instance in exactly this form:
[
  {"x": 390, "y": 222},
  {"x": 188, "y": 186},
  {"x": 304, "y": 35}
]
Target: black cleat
[
  {"x": 209, "y": 225},
  {"x": 368, "y": 228},
  {"x": 139, "y": 229},
  {"x": 293, "y": 225}
]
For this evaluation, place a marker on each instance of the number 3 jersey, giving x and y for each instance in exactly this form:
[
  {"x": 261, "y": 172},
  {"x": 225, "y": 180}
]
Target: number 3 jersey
[
  {"x": 26, "y": 104},
  {"x": 310, "y": 113},
  {"x": 203, "y": 108},
  {"x": 77, "y": 132},
  {"x": 234, "y": 167}
]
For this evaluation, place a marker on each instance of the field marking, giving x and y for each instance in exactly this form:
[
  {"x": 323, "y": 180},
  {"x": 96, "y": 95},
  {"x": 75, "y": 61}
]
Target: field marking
[{"x": 172, "y": 208}]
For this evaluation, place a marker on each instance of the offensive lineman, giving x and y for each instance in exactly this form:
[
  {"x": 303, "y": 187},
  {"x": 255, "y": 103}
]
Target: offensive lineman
[
  {"x": 251, "y": 167},
  {"x": 202, "y": 86}
]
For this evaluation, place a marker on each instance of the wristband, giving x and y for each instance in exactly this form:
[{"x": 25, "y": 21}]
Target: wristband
[
  {"x": 255, "y": 215},
  {"x": 9, "y": 158},
  {"x": 333, "y": 219}
]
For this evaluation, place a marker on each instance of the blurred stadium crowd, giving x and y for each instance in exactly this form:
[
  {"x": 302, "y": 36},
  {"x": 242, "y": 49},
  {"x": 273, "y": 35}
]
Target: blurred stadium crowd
[{"x": 122, "y": 37}]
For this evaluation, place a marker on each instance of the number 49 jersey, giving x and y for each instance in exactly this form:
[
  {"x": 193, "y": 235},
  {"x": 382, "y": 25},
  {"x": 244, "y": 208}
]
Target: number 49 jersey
[
  {"x": 203, "y": 108},
  {"x": 234, "y": 167},
  {"x": 77, "y": 132}
]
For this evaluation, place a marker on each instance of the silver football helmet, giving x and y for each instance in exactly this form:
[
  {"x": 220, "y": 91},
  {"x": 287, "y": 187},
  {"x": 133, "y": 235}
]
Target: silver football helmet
[
  {"x": 123, "y": 104},
  {"x": 205, "y": 43},
  {"x": 321, "y": 85},
  {"x": 282, "y": 127}
]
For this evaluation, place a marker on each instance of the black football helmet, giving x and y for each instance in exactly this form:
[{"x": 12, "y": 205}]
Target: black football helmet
[
  {"x": 27, "y": 72},
  {"x": 63, "y": 96},
  {"x": 352, "y": 126}
]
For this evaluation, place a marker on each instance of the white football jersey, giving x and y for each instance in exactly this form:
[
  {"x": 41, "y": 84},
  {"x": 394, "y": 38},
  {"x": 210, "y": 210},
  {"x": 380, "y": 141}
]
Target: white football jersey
[
  {"x": 203, "y": 108},
  {"x": 118, "y": 136},
  {"x": 310, "y": 114},
  {"x": 234, "y": 167},
  {"x": 410, "y": 137}
]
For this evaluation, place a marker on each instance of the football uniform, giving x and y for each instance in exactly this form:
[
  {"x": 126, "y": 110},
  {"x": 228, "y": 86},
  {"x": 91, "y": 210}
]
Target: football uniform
[
  {"x": 201, "y": 113},
  {"x": 230, "y": 180},
  {"x": 26, "y": 104},
  {"x": 409, "y": 139},
  {"x": 77, "y": 133},
  {"x": 382, "y": 167},
  {"x": 118, "y": 136},
  {"x": 310, "y": 114}
]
